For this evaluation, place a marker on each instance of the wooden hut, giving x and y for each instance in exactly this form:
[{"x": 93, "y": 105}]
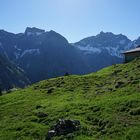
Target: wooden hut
[{"x": 132, "y": 54}]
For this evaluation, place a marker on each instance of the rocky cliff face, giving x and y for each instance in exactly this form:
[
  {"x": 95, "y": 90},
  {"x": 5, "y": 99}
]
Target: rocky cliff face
[
  {"x": 42, "y": 54},
  {"x": 45, "y": 55},
  {"x": 10, "y": 75},
  {"x": 108, "y": 42}
]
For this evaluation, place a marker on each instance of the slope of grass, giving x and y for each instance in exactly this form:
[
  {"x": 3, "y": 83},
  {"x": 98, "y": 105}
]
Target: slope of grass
[{"x": 107, "y": 104}]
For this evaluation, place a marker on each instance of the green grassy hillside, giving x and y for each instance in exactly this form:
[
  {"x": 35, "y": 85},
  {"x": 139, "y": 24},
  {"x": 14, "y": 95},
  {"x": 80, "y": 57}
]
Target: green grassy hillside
[{"x": 106, "y": 103}]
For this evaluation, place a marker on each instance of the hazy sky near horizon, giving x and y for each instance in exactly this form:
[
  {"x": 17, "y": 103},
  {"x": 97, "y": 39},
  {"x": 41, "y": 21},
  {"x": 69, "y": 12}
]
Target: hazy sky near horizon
[{"x": 74, "y": 19}]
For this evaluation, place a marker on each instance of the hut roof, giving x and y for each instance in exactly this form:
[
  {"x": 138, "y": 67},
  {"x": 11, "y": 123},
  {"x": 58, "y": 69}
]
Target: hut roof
[{"x": 133, "y": 50}]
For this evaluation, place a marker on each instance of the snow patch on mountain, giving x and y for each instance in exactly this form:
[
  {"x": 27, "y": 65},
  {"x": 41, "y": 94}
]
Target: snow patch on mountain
[
  {"x": 33, "y": 33},
  {"x": 122, "y": 42},
  {"x": 17, "y": 48},
  {"x": 31, "y": 51},
  {"x": 90, "y": 49},
  {"x": 17, "y": 55},
  {"x": 115, "y": 51}
]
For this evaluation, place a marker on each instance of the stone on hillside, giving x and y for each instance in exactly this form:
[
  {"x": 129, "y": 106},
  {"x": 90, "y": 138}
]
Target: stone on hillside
[{"x": 63, "y": 127}]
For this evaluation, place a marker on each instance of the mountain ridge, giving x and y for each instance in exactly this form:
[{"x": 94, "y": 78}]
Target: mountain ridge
[
  {"x": 42, "y": 55},
  {"x": 113, "y": 42},
  {"x": 47, "y": 54}
]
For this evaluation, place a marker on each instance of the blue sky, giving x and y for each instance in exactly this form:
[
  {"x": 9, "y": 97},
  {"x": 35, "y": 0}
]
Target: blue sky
[{"x": 74, "y": 19}]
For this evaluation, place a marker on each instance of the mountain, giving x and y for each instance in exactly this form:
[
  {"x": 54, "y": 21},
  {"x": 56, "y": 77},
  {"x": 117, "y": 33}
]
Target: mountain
[
  {"x": 106, "y": 104},
  {"x": 47, "y": 54},
  {"x": 10, "y": 75},
  {"x": 42, "y": 54},
  {"x": 107, "y": 42},
  {"x": 104, "y": 49},
  {"x": 136, "y": 42}
]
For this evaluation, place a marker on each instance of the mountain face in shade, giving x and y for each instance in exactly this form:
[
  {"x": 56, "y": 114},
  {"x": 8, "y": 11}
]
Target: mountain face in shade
[
  {"x": 105, "y": 49},
  {"x": 44, "y": 55},
  {"x": 11, "y": 75}
]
